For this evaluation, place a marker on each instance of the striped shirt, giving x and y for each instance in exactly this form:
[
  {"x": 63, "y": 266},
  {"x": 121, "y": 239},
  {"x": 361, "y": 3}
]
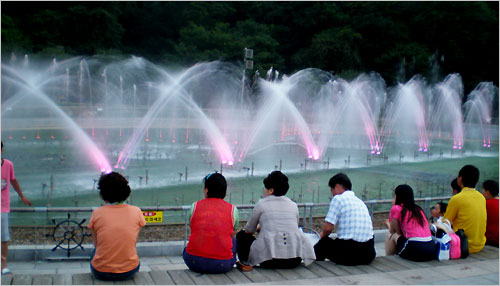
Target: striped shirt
[{"x": 351, "y": 217}]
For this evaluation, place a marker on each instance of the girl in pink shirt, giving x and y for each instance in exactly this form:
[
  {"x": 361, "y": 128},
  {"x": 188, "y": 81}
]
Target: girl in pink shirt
[{"x": 409, "y": 234}]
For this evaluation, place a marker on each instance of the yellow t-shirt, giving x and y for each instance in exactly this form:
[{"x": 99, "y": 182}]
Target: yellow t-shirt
[
  {"x": 467, "y": 210},
  {"x": 117, "y": 228}
]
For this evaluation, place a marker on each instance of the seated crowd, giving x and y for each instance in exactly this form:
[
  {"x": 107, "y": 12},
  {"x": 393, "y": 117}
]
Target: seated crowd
[{"x": 272, "y": 237}]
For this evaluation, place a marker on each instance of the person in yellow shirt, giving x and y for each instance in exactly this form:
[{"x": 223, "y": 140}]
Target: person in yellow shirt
[{"x": 467, "y": 209}]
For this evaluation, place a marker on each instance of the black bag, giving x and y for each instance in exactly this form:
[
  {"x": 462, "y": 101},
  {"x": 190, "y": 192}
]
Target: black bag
[{"x": 464, "y": 243}]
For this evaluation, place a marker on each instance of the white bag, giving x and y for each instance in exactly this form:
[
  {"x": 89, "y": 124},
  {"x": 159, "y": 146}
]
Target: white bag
[{"x": 444, "y": 247}]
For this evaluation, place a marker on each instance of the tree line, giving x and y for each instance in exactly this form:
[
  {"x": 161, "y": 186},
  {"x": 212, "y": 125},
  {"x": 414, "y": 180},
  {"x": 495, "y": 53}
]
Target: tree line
[{"x": 395, "y": 39}]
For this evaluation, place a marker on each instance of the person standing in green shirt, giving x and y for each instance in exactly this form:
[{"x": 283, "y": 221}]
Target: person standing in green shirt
[{"x": 467, "y": 209}]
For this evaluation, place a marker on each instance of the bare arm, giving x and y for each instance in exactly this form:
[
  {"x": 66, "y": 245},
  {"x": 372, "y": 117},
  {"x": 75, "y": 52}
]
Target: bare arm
[
  {"x": 16, "y": 186},
  {"x": 252, "y": 232},
  {"x": 327, "y": 229},
  {"x": 394, "y": 227}
]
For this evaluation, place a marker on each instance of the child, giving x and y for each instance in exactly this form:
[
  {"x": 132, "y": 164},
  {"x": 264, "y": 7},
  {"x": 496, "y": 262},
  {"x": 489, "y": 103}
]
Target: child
[
  {"x": 438, "y": 211},
  {"x": 115, "y": 228},
  {"x": 490, "y": 193},
  {"x": 409, "y": 233}
]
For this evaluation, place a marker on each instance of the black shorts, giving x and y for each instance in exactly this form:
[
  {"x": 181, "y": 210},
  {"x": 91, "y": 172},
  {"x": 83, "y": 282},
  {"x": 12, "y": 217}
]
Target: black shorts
[{"x": 416, "y": 250}]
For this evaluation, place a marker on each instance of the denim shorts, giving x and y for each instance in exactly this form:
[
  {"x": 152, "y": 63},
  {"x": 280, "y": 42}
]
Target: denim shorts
[{"x": 5, "y": 227}]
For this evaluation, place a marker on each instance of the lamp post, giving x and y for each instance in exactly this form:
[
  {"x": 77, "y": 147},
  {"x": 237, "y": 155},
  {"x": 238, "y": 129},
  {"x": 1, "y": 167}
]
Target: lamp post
[{"x": 247, "y": 64}]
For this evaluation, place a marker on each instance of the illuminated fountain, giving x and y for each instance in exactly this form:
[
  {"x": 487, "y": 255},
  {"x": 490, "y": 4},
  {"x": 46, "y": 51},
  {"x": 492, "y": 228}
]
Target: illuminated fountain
[
  {"x": 275, "y": 112},
  {"x": 76, "y": 118},
  {"x": 348, "y": 113},
  {"x": 406, "y": 117},
  {"x": 478, "y": 113},
  {"x": 446, "y": 113}
]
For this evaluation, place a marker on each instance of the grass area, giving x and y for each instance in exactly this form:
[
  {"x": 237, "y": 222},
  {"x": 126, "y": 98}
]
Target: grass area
[
  {"x": 424, "y": 176},
  {"x": 431, "y": 178}
]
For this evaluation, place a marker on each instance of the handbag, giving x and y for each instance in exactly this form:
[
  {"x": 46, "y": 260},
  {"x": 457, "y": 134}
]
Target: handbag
[
  {"x": 451, "y": 245},
  {"x": 443, "y": 243},
  {"x": 464, "y": 243}
]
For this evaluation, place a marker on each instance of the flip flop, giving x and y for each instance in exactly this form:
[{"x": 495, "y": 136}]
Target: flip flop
[{"x": 6, "y": 271}]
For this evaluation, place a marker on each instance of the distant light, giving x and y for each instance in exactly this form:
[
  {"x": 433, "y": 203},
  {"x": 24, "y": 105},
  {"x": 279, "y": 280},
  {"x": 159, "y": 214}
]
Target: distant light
[
  {"x": 373, "y": 152},
  {"x": 378, "y": 152},
  {"x": 24, "y": 137},
  {"x": 230, "y": 163},
  {"x": 102, "y": 170},
  {"x": 108, "y": 171},
  {"x": 147, "y": 139},
  {"x": 116, "y": 166},
  {"x": 10, "y": 137},
  {"x": 224, "y": 162},
  {"x": 489, "y": 145},
  {"x": 187, "y": 141},
  {"x": 52, "y": 137},
  {"x": 460, "y": 147},
  {"x": 123, "y": 167},
  {"x": 425, "y": 150},
  {"x": 37, "y": 137},
  {"x": 316, "y": 157},
  {"x": 236, "y": 142},
  {"x": 310, "y": 156},
  {"x": 454, "y": 146},
  {"x": 484, "y": 145},
  {"x": 173, "y": 140}
]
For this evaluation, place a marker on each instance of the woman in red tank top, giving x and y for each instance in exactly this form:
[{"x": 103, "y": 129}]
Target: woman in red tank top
[{"x": 212, "y": 245}]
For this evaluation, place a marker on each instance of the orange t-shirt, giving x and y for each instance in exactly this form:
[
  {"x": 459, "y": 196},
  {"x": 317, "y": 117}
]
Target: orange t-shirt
[{"x": 117, "y": 228}]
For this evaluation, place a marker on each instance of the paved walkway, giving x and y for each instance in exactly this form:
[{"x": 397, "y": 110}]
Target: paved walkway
[{"x": 479, "y": 268}]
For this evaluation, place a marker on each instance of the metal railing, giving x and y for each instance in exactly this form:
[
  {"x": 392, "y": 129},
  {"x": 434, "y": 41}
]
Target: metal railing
[{"x": 306, "y": 209}]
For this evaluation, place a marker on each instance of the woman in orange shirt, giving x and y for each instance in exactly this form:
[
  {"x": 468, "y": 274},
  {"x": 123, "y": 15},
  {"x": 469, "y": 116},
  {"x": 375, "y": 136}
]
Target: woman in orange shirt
[{"x": 115, "y": 228}]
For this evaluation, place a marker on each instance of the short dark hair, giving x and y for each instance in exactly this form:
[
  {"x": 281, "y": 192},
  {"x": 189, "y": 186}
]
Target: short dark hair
[
  {"x": 470, "y": 176},
  {"x": 278, "y": 182},
  {"x": 454, "y": 185},
  {"x": 442, "y": 207},
  {"x": 113, "y": 187},
  {"x": 216, "y": 185},
  {"x": 491, "y": 186},
  {"x": 342, "y": 179}
]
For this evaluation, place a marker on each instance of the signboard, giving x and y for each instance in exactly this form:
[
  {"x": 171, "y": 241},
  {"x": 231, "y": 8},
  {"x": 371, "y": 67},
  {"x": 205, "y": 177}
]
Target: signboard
[{"x": 153, "y": 216}]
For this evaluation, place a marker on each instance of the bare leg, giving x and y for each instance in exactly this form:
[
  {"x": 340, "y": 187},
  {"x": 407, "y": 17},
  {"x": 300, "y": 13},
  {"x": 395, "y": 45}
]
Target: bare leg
[
  {"x": 391, "y": 243},
  {"x": 5, "y": 247}
]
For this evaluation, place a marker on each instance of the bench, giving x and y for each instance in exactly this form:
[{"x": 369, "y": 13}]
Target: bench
[{"x": 383, "y": 270}]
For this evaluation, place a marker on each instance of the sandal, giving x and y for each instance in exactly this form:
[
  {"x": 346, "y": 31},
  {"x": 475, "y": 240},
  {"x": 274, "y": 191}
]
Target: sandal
[
  {"x": 6, "y": 271},
  {"x": 243, "y": 267}
]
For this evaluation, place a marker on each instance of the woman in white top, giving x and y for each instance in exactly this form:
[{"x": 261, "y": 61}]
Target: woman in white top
[{"x": 280, "y": 243}]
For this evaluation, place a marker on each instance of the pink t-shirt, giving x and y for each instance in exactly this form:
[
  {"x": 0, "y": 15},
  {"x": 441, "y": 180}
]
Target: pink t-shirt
[
  {"x": 410, "y": 228},
  {"x": 7, "y": 176}
]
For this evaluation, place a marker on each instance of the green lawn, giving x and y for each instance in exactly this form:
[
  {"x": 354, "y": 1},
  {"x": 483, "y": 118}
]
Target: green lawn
[{"x": 431, "y": 178}]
